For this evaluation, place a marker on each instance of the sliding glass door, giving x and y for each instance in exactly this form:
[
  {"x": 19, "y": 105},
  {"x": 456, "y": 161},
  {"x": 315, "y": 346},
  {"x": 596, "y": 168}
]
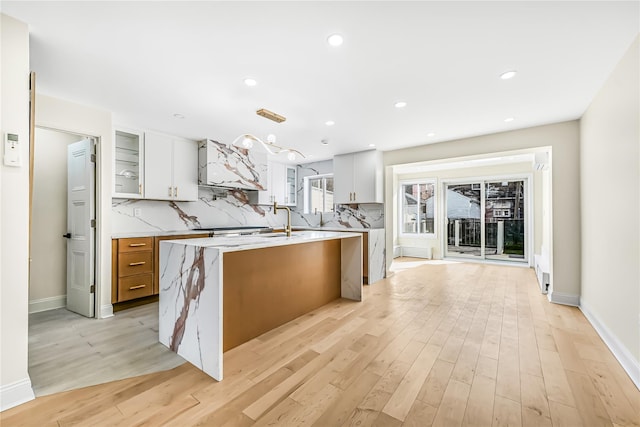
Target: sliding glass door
[
  {"x": 486, "y": 220},
  {"x": 504, "y": 213},
  {"x": 464, "y": 220}
]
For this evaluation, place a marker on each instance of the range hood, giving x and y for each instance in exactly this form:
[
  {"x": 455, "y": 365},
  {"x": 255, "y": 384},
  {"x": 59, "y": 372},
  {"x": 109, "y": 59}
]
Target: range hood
[{"x": 229, "y": 166}]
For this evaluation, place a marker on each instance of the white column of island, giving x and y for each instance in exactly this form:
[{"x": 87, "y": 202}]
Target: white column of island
[{"x": 194, "y": 284}]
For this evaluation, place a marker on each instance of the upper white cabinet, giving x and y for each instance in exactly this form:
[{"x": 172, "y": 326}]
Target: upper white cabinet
[
  {"x": 171, "y": 168},
  {"x": 223, "y": 165},
  {"x": 290, "y": 185},
  {"x": 358, "y": 177},
  {"x": 281, "y": 188},
  {"x": 128, "y": 164}
]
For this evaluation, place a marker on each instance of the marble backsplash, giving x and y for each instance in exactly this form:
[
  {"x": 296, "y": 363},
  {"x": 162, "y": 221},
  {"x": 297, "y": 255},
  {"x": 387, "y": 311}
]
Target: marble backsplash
[
  {"x": 214, "y": 208},
  {"x": 345, "y": 216},
  {"x": 218, "y": 207}
]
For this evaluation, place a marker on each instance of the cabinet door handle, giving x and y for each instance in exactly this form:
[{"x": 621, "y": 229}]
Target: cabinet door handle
[
  {"x": 175, "y": 191},
  {"x": 133, "y": 288},
  {"x": 170, "y": 191},
  {"x": 140, "y": 189},
  {"x": 136, "y": 245},
  {"x": 133, "y": 264}
]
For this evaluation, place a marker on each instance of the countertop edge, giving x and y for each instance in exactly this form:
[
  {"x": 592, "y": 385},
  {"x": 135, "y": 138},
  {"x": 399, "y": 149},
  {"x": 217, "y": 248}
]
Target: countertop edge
[{"x": 232, "y": 244}]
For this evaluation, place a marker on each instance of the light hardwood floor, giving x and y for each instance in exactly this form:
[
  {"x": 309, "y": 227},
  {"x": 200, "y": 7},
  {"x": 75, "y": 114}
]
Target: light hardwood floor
[{"x": 441, "y": 345}]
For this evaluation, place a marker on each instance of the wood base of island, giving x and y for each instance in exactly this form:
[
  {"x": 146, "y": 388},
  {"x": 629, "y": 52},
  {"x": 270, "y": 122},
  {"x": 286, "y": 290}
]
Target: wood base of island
[
  {"x": 266, "y": 288},
  {"x": 214, "y": 297}
]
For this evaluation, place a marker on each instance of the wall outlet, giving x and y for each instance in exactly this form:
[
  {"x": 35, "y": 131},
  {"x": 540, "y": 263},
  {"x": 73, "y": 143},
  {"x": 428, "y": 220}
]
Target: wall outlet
[{"x": 137, "y": 212}]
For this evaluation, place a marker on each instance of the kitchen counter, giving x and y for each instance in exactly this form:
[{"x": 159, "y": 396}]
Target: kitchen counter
[
  {"x": 216, "y": 293},
  {"x": 155, "y": 233},
  {"x": 344, "y": 229}
]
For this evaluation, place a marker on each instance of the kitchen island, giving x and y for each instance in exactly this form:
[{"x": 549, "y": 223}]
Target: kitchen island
[{"x": 217, "y": 293}]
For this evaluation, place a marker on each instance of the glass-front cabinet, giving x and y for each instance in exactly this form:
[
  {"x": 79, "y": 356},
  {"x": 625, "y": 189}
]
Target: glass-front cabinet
[
  {"x": 290, "y": 186},
  {"x": 128, "y": 164}
]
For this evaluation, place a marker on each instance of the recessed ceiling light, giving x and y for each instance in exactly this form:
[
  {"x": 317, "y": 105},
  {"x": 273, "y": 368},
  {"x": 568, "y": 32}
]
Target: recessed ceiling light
[
  {"x": 324, "y": 141},
  {"x": 400, "y": 104},
  {"x": 508, "y": 74},
  {"x": 178, "y": 116},
  {"x": 335, "y": 40},
  {"x": 508, "y": 119},
  {"x": 430, "y": 134},
  {"x": 250, "y": 82},
  {"x": 372, "y": 145},
  {"x": 329, "y": 123}
]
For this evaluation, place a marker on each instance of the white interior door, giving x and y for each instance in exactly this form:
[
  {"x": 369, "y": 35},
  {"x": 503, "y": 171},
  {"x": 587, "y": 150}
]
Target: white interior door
[{"x": 80, "y": 233}]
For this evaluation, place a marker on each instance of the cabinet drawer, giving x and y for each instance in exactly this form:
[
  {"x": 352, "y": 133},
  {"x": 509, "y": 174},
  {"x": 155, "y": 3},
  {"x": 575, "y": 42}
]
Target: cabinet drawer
[
  {"x": 135, "y": 244},
  {"x": 135, "y": 263},
  {"x": 140, "y": 285}
]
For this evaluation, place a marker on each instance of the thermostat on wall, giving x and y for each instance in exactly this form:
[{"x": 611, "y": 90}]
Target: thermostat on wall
[{"x": 12, "y": 150}]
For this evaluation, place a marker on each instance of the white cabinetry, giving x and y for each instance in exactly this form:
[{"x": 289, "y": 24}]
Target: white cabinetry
[
  {"x": 128, "y": 165},
  {"x": 171, "y": 171},
  {"x": 281, "y": 185},
  {"x": 290, "y": 185},
  {"x": 358, "y": 177}
]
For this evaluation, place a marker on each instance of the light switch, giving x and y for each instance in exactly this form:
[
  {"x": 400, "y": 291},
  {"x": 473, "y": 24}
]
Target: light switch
[
  {"x": 12, "y": 150},
  {"x": 137, "y": 212}
]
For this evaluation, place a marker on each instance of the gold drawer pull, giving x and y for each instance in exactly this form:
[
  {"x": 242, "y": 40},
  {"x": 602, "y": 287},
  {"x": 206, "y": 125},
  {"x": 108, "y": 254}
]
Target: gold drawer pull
[
  {"x": 133, "y": 264},
  {"x": 135, "y": 245},
  {"x": 133, "y": 288}
]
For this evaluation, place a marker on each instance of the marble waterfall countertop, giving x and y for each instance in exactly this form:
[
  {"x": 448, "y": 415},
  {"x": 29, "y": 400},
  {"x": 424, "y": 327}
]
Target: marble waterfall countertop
[
  {"x": 257, "y": 241},
  {"x": 192, "y": 284},
  {"x": 187, "y": 232}
]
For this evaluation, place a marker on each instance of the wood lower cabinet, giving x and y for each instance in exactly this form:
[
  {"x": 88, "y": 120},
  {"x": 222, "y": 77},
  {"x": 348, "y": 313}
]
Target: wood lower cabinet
[
  {"x": 135, "y": 266},
  {"x": 134, "y": 262}
]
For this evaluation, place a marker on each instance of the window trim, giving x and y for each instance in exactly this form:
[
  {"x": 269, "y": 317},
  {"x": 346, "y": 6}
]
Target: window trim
[
  {"x": 307, "y": 192},
  {"x": 401, "y": 233}
]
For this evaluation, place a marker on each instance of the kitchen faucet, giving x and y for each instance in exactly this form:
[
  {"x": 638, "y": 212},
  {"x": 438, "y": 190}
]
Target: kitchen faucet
[{"x": 275, "y": 210}]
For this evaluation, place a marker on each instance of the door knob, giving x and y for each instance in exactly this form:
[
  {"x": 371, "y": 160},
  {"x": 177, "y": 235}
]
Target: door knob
[{"x": 68, "y": 235}]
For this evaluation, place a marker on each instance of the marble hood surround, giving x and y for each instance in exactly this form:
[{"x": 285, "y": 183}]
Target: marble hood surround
[{"x": 229, "y": 166}]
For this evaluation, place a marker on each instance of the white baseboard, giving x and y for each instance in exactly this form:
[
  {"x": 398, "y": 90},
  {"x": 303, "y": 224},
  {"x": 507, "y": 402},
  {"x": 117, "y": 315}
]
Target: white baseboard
[
  {"x": 629, "y": 364},
  {"x": 15, "y": 394},
  {"x": 106, "y": 311},
  {"x": 397, "y": 251},
  {"x": 564, "y": 299},
  {"x": 44, "y": 304},
  {"x": 416, "y": 252}
]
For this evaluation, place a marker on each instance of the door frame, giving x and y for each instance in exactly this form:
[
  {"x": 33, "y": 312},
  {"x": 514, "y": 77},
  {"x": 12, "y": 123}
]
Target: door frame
[
  {"x": 97, "y": 254},
  {"x": 529, "y": 219}
]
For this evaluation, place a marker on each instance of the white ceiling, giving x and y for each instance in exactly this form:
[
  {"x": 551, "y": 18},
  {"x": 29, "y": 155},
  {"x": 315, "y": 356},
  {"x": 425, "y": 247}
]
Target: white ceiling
[{"x": 146, "y": 61}]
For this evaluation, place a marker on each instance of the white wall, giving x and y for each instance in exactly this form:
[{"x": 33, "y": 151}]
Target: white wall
[
  {"x": 520, "y": 169},
  {"x": 563, "y": 138},
  {"x": 610, "y": 178},
  {"x": 15, "y": 386},
  {"x": 63, "y": 115},
  {"x": 48, "y": 257}
]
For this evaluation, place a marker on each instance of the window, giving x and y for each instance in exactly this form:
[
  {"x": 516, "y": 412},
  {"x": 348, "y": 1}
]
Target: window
[
  {"x": 318, "y": 194},
  {"x": 417, "y": 208}
]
